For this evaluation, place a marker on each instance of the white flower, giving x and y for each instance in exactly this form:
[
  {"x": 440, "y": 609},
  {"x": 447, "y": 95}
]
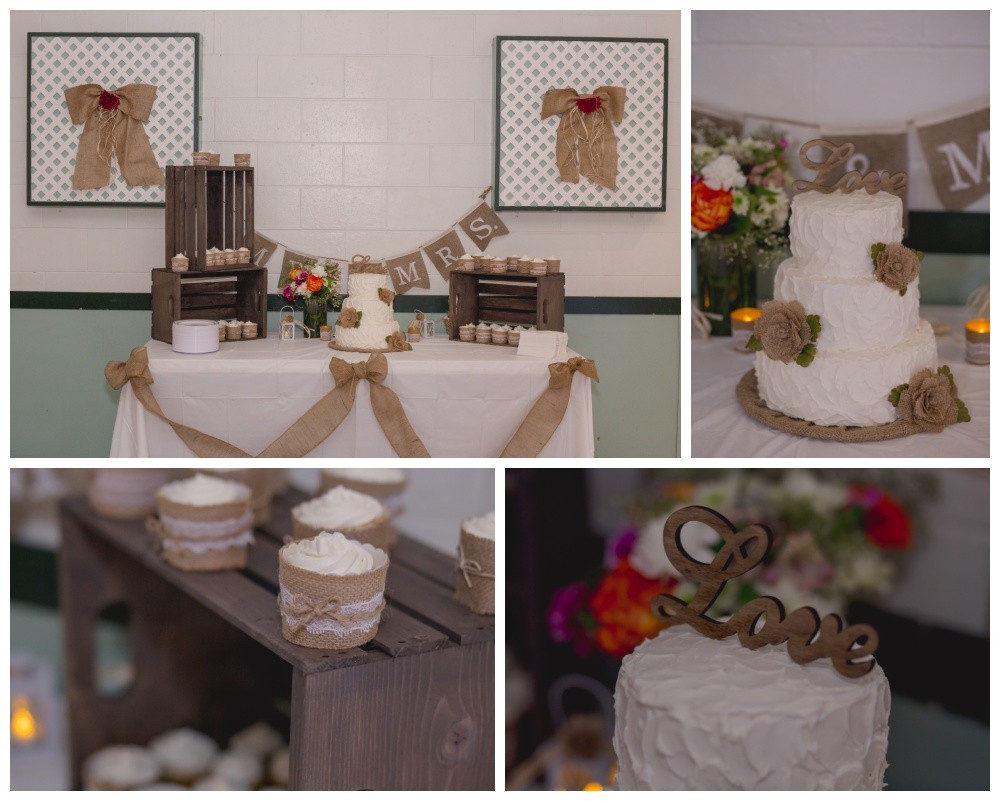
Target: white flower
[
  {"x": 864, "y": 570},
  {"x": 649, "y": 557},
  {"x": 792, "y": 598},
  {"x": 723, "y": 173},
  {"x": 741, "y": 201},
  {"x": 318, "y": 271},
  {"x": 823, "y": 496},
  {"x": 781, "y": 208},
  {"x": 702, "y": 155},
  {"x": 302, "y": 290}
]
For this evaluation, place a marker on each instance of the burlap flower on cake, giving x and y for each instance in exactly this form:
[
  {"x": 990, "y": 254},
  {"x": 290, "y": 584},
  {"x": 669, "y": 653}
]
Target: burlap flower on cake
[
  {"x": 930, "y": 400},
  {"x": 786, "y": 333},
  {"x": 349, "y": 318},
  {"x": 386, "y": 295},
  {"x": 397, "y": 342},
  {"x": 896, "y": 266}
]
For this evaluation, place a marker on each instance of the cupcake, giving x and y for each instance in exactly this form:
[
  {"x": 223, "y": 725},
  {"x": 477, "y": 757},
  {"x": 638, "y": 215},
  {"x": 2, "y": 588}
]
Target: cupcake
[
  {"x": 552, "y": 264},
  {"x": 243, "y": 256},
  {"x": 466, "y": 262},
  {"x": 262, "y": 482},
  {"x": 483, "y": 335},
  {"x": 259, "y": 739},
  {"x": 512, "y": 263},
  {"x": 241, "y": 770},
  {"x": 125, "y": 494},
  {"x": 241, "y": 159},
  {"x": 120, "y": 767},
  {"x": 222, "y": 330},
  {"x": 229, "y": 256},
  {"x": 539, "y": 267},
  {"x": 214, "y": 257},
  {"x": 498, "y": 334},
  {"x": 498, "y": 265},
  {"x": 524, "y": 264},
  {"x": 379, "y": 482},
  {"x": 474, "y": 584},
  {"x": 358, "y": 516},
  {"x": 179, "y": 263},
  {"x": 184, "y": 754},
  {"x": 330, "y": 566},
  {"x": 249, "y": 330},
  {"x": 467, "y": 332},
  {"x": 214, "y": 782},
  {"x": 278, "y": 766},
  {"x": 234, "y": 329},
  {"x": 205, "y": 523},
  {"x": 514, "y": 337}
]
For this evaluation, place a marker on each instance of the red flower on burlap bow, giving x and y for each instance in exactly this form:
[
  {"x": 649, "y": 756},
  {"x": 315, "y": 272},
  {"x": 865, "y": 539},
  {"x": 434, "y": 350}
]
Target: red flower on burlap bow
[
  {"x": 588, "y": 105},
  {"x": 585, "y": 138},
  {"x": 109, "y": 101}
]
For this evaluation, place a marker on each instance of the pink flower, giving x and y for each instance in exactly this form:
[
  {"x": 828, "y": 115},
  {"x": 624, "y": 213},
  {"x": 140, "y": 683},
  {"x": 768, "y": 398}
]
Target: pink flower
[
  {"x": 563, "y": 616},
  {"x": 288, "y": 293}
]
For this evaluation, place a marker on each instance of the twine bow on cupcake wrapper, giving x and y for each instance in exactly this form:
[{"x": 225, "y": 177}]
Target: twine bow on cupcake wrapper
[
  {"x": 113, "y": 124},
  {"x": 304, "y": 610},
  {"x": 470, "y": 568},
  {"x": 585, "y": 138}
]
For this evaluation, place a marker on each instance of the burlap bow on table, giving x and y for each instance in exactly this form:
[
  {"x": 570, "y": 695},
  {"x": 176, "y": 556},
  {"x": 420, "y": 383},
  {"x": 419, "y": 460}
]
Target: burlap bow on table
[
  {"x": 113, "y": 123},
  {"x": 586, "y": 126}
]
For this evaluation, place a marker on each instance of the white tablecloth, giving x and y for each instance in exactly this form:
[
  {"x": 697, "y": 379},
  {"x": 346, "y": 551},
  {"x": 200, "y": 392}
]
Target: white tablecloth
[
  {"x": 462, "y": 399},
  {"x": 720, "y": 427}
]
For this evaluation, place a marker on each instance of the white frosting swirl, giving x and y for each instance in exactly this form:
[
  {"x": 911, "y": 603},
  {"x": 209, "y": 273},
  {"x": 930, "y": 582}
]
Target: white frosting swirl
[
  {"x": 202, "y": 490},
  {"x": 184, "y": 752},
  {"x": 484, "y": 526},
  {"x": 372, "y": 475},
  {"x": 339, "y": 507},
  {"x": 331, "y": 554},
  {"x": 122, "y": 766}
]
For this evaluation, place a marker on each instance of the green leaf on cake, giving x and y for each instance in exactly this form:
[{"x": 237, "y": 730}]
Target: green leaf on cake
[
  {"x": 902, "y": 291},
  {"x": 919, "y": 254},
  {"x": 807, "y": 355},
  {"x": 945, "y": 370},
  {"x": 814, "y": 325},
  {"x": 877, "y": 248},
  {"x": 754, "y": 343},
  {"x": 896, "y": 392},
  {"x": 963, "y": 412}
]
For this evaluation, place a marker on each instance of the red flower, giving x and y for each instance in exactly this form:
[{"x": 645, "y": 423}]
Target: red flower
[
  {"x": 109, "y": 101},
  {"x": 621, "y": 605},
  {"x": 710, "y": 208},
  {"x": 588, "y": 105},
  {"x": 886, "y": 522}
]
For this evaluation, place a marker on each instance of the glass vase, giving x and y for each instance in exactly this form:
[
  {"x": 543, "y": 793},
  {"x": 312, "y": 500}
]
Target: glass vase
[
  {"x": 727, "y": 280},
  {"x": 314, "y": 315}
]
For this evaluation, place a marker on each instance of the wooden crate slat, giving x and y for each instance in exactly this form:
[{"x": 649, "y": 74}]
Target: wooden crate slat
[
  {"x": 508, "y": 288},
  {"x": 426, "y": 561},
  {"x": 197, "y": 286},
  {"x": 489, "y": 303},
  {"x": 239, "y": 201},
  {"x": 208, "y": 301}
]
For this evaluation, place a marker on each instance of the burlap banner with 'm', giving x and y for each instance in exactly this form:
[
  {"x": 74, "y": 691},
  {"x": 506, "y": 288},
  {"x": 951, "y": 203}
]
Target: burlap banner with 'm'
[
  {"x": 957, "y": 152},
  {"x": 407, "y": 272}
]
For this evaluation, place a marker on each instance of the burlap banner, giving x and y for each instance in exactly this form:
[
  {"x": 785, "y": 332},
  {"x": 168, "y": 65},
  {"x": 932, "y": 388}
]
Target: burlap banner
[
  {"x": 263, "y": 248},
  {"x": 877, "y": 152},
  {"x": 286, "y": 264},
  {"x": 482, "y": 224},
  {"x": 958, "y": 155},
  {"x": 407, "y": 272},
  {"x": 113, "y": 124},
  {"x": 795, "y": 133},
  {"x": 444, "y": 252}
]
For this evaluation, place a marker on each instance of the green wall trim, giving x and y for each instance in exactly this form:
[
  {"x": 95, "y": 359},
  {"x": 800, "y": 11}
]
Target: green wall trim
[
  {"x": 949, "y": 232},
  {"x": 434, "y": 304}
]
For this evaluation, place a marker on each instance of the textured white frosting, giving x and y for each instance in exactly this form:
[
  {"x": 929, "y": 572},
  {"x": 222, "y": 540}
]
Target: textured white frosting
[
  {"x": 259, "y": 738},
  {"x": 184, "y": 752},
  {"x": 373, "y": 312},
  {"x": 845, "y": 387},
  {"x": 365, "y": 286},
  {"x": 122, "y": 766},
  {"x": 832, "y": 234},
  {"x": 332, "y": 554},
  {"x": 377, "y": 321},
  {"x": 371, "y": 475},
  {"x": 339, "y": 507},
  {"x": 366, "y": 337},
  {"x": 700, "y": 714},
  {"x": 484, "y": 526},
  {"x": 202, "y": 490}
]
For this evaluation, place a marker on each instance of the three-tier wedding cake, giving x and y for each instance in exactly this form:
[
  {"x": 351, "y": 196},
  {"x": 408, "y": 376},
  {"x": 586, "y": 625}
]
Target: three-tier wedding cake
[{"x": 366, "y": 319}]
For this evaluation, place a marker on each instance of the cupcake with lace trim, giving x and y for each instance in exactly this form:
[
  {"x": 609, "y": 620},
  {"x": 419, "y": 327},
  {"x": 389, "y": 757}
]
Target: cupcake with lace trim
[{"x": 356, "y": 515}]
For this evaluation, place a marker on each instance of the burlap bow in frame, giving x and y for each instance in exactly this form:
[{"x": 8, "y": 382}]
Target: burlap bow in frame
[
  {"x": 113, "y": 123},
  {"x": 586, "y": 126},
  {"x": 306, "y": 433},
  {"x": 545, "y": 416}
]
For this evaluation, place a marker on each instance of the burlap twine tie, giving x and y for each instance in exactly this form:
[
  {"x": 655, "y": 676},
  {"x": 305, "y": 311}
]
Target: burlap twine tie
[
  {"x": 585, "y": 141},
  {"x": 475, "y": 583},
  {"x": 306, "y": 610},
  {"x": 119, "y": 131}
]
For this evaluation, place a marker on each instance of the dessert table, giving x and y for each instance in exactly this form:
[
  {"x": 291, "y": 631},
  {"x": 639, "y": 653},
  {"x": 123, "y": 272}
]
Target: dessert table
[
  {"x": 462, "y": 399},
  {"x": 720, "y": 427}
]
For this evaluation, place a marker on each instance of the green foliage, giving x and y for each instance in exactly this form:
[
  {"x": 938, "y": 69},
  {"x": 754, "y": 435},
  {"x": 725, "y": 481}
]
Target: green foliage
[
  {"x": 876, "y": 249},
  {"x": 896, "y": 392},
  {"x": 754, "y": 343},
  {"x": 814, "y": 325},
  {"x": 807, "y": 355},
  {"x": 963, "y": 412}
]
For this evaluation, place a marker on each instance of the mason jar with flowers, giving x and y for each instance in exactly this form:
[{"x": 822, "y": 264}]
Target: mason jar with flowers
[
  {"x": 316, "y": 285},
  {"x": 739, "y": 218}
]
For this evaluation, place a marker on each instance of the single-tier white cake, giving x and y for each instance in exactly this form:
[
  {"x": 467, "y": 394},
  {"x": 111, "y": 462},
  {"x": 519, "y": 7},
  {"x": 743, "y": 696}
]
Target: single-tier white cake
[
  {"x": 872, "y": 337},
  {"x": 377, "y": 321},
  {"x": 692, "y": 713}
]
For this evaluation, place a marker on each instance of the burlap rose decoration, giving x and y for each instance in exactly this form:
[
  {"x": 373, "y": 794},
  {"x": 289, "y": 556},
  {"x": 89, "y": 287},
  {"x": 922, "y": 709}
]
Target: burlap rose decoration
[
  {"x": 349, "y": 317},
  {"x": 896, "y": 266},
  {"x": 397, "y": 342},
  {"x": 930, "y": 400},
  {"x": 786, "y": 333},
  {"x": 386, "y": 295}
]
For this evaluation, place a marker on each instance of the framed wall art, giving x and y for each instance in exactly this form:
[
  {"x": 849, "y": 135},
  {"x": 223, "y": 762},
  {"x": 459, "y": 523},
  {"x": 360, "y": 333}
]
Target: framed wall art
[
  {"x": 580, "y": 123},
  {"x": 106, "y": 113}
]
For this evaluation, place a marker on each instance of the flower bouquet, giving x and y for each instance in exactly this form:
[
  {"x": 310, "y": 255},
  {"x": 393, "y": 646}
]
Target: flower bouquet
[
  {"x": 739, "y": 218},
  {"x": 316, "y": 284},
  {"x": 832, "y": 540}
]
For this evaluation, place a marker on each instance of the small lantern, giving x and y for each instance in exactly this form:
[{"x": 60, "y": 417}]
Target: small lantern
[
  {"x": 32, "y": 698},
  {"x": 977, "y": 341},
  {"x": 287, "y": 324},
  {"x": 742, "y": 326}
]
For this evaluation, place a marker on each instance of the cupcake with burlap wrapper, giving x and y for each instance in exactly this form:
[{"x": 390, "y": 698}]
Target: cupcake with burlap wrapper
[
  {"x": 262, "y": 482},
  {"x": 331, "y": 591},
  {"x": 184, "y": 754},
  {"x": 357, "y": 515},
  {"x": 383, "y": 483},
  {"x": 120, "y": 767},
  {"x": 204, "y": 523},
  {"x": 475, "y": 580},
  {"x": 125, "y": 493}
]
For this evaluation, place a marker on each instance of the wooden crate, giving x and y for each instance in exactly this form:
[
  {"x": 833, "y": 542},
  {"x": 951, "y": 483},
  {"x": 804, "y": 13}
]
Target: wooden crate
[
  {"x": 216, "y": 295},
  {"x": 510, "y": 298},
  {"x": 208, "y": 207},
  {"x": 411, "y": 710}
]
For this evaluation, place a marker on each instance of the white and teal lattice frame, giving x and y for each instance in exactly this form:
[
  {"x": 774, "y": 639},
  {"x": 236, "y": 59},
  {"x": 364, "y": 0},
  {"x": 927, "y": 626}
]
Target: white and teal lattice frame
[
  {"x": 58, "y": 61},
  {"x": 525, "y": 173}
]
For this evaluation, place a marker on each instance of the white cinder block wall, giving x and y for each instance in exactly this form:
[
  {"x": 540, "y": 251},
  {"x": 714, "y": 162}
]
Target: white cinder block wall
[
  {"x": 871, "y": 70},
  {"x": 371, "y": 133}
]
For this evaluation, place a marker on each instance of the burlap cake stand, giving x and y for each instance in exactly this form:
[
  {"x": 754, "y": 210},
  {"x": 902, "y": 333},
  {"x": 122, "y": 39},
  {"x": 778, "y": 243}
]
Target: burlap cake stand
[
  {"x": 748, "y": 395},
  {"x": 335, "y": 346}
]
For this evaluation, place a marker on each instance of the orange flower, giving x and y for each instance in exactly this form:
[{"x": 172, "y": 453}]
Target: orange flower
[
  {"x": 293, "y": 273},
  {"x": 710, "y": 208},
  {"x": 314, "y": 283},
  {"x": 621, "y": 605}
]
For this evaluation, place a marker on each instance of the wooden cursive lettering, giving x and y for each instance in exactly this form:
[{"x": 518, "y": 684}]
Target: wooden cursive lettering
[
  {"x": 836, "y": 156},
  {"x": 808, "y": 637}
]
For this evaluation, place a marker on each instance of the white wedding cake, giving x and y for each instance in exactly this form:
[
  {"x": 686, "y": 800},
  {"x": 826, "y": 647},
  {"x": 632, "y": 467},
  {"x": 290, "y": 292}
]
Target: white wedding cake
[
  {"x": 693, "y": 713},
  {"x": 870, "y": 336},
  {"x": 366, "y": 317}
]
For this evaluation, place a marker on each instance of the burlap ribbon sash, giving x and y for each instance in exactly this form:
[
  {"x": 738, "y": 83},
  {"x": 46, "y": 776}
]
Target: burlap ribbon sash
[
  {"x": 120, "y": 131},
  {"x": 545, "y": 416},
  {"x": 585, "y": 141},
  {"x": 308, "y": 431}
]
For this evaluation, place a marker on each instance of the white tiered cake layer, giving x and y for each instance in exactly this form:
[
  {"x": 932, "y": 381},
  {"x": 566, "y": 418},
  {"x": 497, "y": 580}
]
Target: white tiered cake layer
[
  {"x": 832, "y": 235},
  {"x": 365, "y": 286},
  {"x": 373, "y": 312},
  {"x": 845, "y": 387},
  {"x": 855, "y": 313},
  {"x": 377, "y": 321},
  {"x": 366, "y": 337},
  {"x": 693, "y": 713}
]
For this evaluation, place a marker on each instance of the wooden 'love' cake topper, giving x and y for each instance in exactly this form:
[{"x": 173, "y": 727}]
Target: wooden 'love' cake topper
[
  {"x": 836, "y": 156},
  {"x": 808, "y": 637}
]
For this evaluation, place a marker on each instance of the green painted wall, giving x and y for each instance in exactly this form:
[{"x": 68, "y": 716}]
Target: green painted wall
[{"x": 61, "y": 406}]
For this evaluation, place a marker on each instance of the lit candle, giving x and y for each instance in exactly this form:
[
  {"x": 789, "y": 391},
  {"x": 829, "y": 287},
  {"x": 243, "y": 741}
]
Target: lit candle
[
  {"x": 592, "y": 786},
  {"x": 742, "y": 321},
  {"x": 977, "y": 341},
  {"x": 24, "y": 726}
]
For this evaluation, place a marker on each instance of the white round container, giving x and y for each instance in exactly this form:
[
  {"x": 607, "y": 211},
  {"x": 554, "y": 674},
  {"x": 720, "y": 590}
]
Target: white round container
[{"x": 196, "y": 336}]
